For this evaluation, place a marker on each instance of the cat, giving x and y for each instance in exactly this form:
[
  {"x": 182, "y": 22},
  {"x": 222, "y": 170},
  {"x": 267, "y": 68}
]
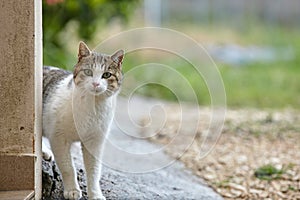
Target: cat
[{"x": 80, "y": 106}]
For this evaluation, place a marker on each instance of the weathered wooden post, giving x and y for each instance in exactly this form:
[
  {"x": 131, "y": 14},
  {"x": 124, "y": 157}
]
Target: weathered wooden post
[{"x": 20, "y": 98}]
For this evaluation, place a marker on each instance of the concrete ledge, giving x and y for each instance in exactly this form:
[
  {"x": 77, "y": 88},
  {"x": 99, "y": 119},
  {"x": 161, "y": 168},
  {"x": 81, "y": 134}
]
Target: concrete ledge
[
  {"x": 16, "y": 172},
  {"x": 17, "y": 195}
]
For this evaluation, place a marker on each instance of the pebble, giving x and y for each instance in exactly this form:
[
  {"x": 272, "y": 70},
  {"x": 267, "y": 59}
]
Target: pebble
[
  {"x": 242, "y": 159},
  {"x": 255, "y": 191},
  {"x": 228, "y": 195},
  {"x": 237, "y": 187},
  {"x": 236, "y": 193},
  {"x": 291, "y": 172},
  {"x": 275, "y": 185},
  {"x": 224, "y": 159},
  {"x": 296, "y": 178},
  {"x": 281, "y": 195},
  {"x": 284, "y": 188},
  {"x": 209, "y": 176},
  {"x": 264, "y": 194},
  {"x": 245, "y": 168},
  {"x": 275, "y": 160}
]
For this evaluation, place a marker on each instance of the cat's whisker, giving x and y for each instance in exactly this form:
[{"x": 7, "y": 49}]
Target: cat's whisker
[
  {"x": 84, "y": 91},
  {"x": 108, "y": 92},
  {"x": 94, "y": 105}
]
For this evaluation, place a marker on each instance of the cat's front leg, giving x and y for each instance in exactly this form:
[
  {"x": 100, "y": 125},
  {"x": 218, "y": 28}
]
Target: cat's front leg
[
  {"x": 47, "y": 154},
  {"x": 61, "y": 150},
  {"x": 92, "y": 162}
]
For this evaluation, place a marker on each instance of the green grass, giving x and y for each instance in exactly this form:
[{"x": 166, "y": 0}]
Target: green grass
[
  {"x": 273, "y": 85},
  {"x": 261, "y": 85},
  {"x": 173, "y": 78},
  {"x": 268, "y": 172}
]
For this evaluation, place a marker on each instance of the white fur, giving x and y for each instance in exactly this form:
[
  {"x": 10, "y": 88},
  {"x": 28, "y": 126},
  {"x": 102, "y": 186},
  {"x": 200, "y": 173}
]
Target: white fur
[{"x": 69, "y": 116}]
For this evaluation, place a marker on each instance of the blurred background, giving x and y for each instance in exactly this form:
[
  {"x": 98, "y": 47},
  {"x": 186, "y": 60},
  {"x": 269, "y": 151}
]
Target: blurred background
[{"x": 255, "y": 44}]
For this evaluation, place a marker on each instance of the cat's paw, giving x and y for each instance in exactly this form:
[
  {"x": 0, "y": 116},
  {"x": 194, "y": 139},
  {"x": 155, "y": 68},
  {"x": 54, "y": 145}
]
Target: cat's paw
[
  {"x": 98, "y": 197},
  {"x": 48, "y": 156},
  {"x": 47, "y": 153},
  {"x": 72, "y": 194}
]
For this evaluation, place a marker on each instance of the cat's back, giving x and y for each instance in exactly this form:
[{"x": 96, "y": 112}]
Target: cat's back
[
  {"x": 57, "y": 90},
  {"x": 52, "y": 79}
]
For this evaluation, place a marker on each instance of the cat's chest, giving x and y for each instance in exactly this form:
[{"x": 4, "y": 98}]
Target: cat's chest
[
  {"x": 93, "y": 110},
  {"x": 92, "y": 116}
]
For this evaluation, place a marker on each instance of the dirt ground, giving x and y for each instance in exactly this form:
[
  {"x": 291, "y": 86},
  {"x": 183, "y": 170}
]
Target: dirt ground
[{"x": 257, "y": 156}]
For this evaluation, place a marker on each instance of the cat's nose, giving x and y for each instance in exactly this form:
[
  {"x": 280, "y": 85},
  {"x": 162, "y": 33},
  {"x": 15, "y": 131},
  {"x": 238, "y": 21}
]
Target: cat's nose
[{"x": 95, "y": 84}]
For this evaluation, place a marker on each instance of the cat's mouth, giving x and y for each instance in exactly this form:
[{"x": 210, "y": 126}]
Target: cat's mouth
[{"x": 97, "y": 91}]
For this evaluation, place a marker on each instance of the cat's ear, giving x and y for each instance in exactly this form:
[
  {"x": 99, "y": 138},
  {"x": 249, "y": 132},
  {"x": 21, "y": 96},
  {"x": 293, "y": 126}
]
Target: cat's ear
[
  {"x": 117, "y": 57},
  {"x": 83, "y": 51}
]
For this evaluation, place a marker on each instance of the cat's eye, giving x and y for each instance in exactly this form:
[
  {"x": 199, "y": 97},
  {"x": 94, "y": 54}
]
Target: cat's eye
[
  {"x": 106, "y": 75},
  {"x": 88, "y": 72}
]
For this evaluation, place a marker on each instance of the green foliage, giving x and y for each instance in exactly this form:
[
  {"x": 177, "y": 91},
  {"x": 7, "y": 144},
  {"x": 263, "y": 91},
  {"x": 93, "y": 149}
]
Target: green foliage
[
  {"x": 268, "y": 172},
  {"x": 87, "y": 14}
]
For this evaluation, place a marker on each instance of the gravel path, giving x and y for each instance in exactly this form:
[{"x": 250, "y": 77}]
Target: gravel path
[{"x": 257, "y": 156}]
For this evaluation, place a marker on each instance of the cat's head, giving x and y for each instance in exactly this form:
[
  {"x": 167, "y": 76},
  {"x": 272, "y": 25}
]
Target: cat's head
[{"x": 98, "y": 74}]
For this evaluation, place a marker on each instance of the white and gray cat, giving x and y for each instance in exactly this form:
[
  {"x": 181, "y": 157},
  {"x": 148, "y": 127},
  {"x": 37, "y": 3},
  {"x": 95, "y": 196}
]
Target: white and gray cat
[{"x": 80, "y": 106}]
